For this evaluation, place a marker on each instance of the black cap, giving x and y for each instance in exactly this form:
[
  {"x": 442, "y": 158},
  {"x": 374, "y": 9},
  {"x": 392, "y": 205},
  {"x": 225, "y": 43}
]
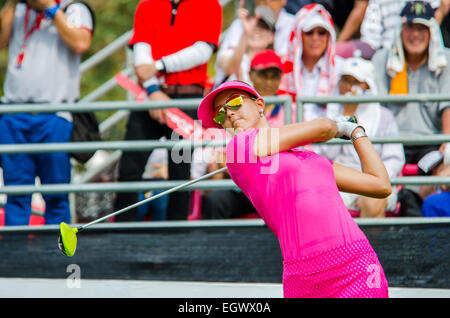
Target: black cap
[{"x": 417, "y": 12}]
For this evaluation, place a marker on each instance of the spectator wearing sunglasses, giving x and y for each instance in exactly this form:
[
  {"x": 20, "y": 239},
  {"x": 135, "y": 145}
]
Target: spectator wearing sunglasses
[
  {"x": 316, "y": 72},
  {"x": 325, "y": 253}
]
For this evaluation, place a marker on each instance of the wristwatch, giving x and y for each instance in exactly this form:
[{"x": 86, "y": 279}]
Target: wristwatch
[
  {"x": 159, "y": 65},
  {"x": 51, "y": 12},
  {"x": 359, "y": 134}
]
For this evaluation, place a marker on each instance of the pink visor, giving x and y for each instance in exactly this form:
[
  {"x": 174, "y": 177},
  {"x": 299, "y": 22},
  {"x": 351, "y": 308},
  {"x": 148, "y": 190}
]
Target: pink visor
[{"x": 205, "y": 110}]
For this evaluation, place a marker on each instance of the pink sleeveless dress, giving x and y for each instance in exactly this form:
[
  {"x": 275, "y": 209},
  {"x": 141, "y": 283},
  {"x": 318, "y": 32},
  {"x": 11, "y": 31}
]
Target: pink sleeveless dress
[{"x": 325, "y": 253}]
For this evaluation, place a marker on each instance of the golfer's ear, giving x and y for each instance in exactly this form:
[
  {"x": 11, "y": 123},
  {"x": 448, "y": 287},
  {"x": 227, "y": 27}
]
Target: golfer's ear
[{"x": 261, "y": 103}]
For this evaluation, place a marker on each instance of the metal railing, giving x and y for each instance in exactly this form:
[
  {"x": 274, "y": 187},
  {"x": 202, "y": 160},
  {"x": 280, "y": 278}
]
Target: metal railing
[
  {"x": 106, "y": 52},
  {"x": 123, "y": 109},
  {"x": 145, "y": 186},
  {"x": 152, "y": 144},
  {"x": 382, "y": 99},
  {"x": 120, "y": 43},
  {"x": 143, "y": 145}
]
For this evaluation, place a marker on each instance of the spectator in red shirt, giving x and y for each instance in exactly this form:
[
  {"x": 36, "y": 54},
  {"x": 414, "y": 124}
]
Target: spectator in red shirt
[{"x": 172, "y": 42}]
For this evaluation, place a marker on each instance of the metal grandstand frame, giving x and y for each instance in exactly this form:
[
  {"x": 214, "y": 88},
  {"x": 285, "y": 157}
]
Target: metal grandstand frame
[
  {"x": 123, "y": 108},
  {"x": 152, "y": 144}
]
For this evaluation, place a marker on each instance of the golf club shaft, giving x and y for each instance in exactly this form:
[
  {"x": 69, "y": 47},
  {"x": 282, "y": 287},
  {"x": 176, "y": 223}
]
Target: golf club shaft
[{"x": 135, "y": 205}]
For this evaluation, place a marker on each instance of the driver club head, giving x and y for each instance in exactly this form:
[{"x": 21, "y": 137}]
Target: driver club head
[
  {"x": 67, "y": 241},
  {"x": 61, "y": 246}
]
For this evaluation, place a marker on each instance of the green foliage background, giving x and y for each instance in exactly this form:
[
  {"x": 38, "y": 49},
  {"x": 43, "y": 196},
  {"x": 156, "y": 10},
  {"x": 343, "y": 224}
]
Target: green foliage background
[{"x": 113, "y": 18}]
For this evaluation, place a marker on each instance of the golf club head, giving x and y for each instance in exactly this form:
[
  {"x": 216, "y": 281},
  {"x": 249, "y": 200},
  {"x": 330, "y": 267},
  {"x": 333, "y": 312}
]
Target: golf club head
[
  {"x": 67, "y": 241},
  {"x": 60, "y": 245}
]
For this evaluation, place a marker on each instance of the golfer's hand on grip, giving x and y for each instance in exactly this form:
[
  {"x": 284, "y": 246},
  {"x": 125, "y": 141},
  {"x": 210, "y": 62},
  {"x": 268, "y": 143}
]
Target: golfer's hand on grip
[{"x": 346, "y": 126}]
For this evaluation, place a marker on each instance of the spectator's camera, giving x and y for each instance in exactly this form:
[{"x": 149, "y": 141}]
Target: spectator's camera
[{"x": 250, "y": 6}]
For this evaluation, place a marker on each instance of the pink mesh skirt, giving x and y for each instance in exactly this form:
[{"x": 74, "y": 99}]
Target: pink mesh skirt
[{"x": 349, "y": 271}]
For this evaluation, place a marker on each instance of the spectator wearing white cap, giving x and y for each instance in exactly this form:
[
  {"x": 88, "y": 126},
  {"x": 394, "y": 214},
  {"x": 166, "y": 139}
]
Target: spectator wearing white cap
[
  {"x": 417, "y": 63},
  {"x": 357, "y": 78},
  {"x": 311, "y": 65}
]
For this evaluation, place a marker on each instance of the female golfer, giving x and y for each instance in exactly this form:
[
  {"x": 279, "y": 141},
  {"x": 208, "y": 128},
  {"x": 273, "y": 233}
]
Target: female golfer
[{"x": 296, "y": 193}]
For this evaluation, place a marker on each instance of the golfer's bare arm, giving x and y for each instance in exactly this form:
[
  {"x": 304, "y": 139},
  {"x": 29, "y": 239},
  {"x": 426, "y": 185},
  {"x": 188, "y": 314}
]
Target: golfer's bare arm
[
  {"x": 273, "y": 140},
  {"x": 373, "y": 181}
]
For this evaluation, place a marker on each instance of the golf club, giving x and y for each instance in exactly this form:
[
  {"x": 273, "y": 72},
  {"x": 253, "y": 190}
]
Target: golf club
[{"x": 67, "y": 241}]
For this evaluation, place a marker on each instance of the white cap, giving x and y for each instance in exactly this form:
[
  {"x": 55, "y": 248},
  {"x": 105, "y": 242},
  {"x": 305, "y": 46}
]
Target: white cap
[
  {"x": 314, "y": 21},
  {"x": 360, "y": 69},
  {"x": 425, "y": 22}
]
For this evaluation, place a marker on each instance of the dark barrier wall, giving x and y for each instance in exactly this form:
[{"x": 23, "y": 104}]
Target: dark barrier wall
[{"x": 412, "y": 255}]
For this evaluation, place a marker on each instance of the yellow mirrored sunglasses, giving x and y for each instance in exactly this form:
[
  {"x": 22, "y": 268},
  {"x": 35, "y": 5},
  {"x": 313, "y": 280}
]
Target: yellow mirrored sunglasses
[{"x": 233, "y": 102}]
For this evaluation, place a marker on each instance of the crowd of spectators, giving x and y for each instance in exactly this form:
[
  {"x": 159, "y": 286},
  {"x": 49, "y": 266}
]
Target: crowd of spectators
[{"x": 294, "y": 47}]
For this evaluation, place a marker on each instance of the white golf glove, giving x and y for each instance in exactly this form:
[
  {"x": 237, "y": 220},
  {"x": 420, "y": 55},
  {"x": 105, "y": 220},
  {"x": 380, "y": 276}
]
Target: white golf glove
[{"x": 346, "y": 126}]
